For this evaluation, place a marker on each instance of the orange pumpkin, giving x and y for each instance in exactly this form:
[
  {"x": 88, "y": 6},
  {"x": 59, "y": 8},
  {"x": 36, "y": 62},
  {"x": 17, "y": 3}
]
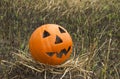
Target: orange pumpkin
[{"x": 50, "y": 44}]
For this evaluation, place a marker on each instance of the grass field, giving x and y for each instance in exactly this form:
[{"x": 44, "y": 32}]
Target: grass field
[{"x": 94, "y": 26}]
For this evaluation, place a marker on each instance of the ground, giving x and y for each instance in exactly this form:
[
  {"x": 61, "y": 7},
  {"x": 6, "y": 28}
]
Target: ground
[{"x": 93, "y": 25}]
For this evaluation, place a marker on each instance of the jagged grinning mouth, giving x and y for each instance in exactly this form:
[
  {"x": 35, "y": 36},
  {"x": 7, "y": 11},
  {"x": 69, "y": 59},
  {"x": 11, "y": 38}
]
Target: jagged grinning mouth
[{"x": 60, "y": 54}]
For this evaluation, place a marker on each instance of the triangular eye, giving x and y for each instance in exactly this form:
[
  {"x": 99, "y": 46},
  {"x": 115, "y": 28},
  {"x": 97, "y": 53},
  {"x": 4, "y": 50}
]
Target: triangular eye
[
  {"x": 58, "y": 40},
  {"x": 61, "y": 30},
  {"x": 46, "y": 34}
]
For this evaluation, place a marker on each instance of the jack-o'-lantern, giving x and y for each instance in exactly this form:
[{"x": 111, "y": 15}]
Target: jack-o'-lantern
[{"x": 50, "y": 44}]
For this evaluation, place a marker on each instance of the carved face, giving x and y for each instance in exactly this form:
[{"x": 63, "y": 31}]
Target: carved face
[{"x": 50, "y": 44}]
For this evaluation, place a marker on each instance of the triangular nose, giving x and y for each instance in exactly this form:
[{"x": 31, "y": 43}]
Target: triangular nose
[{"x": 58, "y": 40}]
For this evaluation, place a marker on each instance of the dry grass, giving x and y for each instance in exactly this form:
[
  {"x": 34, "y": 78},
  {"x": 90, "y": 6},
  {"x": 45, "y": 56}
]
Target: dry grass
[{"x": 24, "y": 67}]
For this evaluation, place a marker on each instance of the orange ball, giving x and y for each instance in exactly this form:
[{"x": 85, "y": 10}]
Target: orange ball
[{"x": 50, "y": 44}]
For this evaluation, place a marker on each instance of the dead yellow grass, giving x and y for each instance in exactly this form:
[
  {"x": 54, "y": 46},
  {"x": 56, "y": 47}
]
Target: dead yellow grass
[{"x": 72, "y": 68}]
